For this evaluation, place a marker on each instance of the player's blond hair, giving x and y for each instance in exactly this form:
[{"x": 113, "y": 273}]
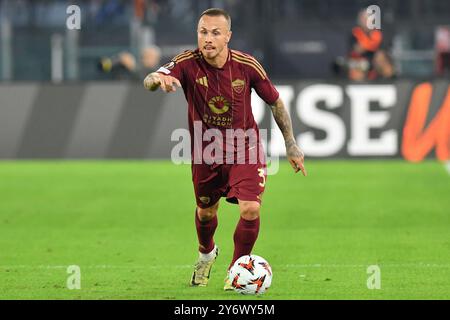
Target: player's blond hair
[{"x": 215, "y": 12}]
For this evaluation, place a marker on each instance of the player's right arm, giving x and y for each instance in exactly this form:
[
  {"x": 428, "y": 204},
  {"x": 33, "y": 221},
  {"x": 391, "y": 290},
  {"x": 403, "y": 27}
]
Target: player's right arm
[
  {"x": 156, "y": 80},
  {"x": 171, "y": 74}
]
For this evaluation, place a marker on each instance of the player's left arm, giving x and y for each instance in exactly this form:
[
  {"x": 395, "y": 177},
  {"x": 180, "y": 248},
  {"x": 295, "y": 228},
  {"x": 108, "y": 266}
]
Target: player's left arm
[
  {"x": 267, "y": 91},
  {"x": 294, "y": 153}
]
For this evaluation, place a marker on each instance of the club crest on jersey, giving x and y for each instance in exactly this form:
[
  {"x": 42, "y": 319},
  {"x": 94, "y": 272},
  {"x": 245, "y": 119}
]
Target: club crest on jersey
[
  {"x": 205, "y": 200},
  {"x": 238, "y": 85},
  {"x": 219, "y": 105}
]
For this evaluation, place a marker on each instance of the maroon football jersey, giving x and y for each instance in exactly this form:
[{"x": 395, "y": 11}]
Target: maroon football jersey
[{"x": 220, "y": 98}]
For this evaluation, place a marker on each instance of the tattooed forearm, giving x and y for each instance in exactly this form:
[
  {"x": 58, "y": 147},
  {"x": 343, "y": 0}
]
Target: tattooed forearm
[
  {"x": 283, "y": 121},
  {"x": 294, "y": 153}
]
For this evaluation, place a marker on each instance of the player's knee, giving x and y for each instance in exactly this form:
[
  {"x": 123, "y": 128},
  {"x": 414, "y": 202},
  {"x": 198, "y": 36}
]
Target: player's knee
[
  {"x": 207, "y": 213},
  {"x": 250, "y": 210}
]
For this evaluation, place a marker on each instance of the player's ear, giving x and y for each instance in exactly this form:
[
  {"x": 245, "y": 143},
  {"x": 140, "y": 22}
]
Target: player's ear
[{"x": 229, "y": 36}]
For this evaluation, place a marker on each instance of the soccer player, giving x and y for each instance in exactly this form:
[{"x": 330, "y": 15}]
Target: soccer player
[{"x": 217, "y": 83}]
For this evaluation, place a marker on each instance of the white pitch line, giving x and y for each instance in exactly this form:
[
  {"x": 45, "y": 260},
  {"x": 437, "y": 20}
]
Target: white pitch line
[
  {"x": 316, "y": 265},
  {"x": 447, "y": 166},
  {"x": 94, "y": 267}
]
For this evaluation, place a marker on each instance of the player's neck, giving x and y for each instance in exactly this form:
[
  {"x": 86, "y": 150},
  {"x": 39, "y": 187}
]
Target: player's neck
[{"x": 220, "y": 60}]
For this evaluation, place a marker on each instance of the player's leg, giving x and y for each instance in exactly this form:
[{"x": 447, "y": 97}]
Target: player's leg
[
  {"x": 206, "y": 224},
  {"x": 247, "y": 229},
  {"x": 245, "y": 234},
  {"x": 207, "y": 183},
  {"x": 247, "y": 184}
]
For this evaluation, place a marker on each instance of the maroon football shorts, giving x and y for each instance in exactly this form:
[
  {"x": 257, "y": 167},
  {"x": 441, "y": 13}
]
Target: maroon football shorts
[{"x": 234, "y": 181}]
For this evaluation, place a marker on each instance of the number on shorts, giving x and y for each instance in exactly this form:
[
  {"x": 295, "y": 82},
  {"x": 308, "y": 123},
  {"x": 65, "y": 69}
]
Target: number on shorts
[{"x": 261, "y": 174}]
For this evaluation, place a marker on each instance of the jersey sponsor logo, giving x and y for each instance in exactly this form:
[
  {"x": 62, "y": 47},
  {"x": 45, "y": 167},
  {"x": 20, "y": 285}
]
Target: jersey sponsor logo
[
  {"x": 219, "y": 105},
  {"x": 238, "y": 85},
  {"x": 219, "y": 121},
  {"x": 203, "y": 81}
]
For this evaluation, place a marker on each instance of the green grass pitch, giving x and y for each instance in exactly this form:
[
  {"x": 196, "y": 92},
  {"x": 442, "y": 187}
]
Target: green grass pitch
[{"x": 129, "y": 227}]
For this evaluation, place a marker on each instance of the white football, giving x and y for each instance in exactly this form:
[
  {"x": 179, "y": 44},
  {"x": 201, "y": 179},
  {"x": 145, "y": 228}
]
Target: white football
[{"x": 250, "y": 274}]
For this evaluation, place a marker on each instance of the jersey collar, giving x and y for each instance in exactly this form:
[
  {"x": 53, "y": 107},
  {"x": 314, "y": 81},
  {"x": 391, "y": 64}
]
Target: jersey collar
[{"x": 214, "y": 68}]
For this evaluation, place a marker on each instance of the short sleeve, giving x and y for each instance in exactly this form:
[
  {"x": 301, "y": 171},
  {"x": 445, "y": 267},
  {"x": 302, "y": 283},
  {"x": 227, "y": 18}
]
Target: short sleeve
[
  {"x": 176, "y": 66},
  {"x": 262, "y": 84}
]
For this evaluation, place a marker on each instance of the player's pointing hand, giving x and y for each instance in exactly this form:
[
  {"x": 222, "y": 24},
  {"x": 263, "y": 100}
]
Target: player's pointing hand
[
  {"x": 166, "y": 82},
  {"x": 296, "y": 158}
]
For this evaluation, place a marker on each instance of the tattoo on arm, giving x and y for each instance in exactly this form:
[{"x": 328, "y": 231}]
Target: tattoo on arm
[{"x": 284, "y": 122}]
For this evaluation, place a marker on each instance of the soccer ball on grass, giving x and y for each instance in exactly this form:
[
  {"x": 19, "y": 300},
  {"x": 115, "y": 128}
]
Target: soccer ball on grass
[{"x": 250, "y": 274}]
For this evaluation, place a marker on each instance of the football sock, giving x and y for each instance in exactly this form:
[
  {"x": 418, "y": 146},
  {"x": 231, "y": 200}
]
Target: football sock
[
  {"x": 205, "y": 233},
  {"x": 207, "y": 256},
  {"x": 245, "y": 237}
]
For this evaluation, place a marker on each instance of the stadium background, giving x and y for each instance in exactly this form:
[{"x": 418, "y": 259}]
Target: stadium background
[{"x": 57, "y": 108}]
